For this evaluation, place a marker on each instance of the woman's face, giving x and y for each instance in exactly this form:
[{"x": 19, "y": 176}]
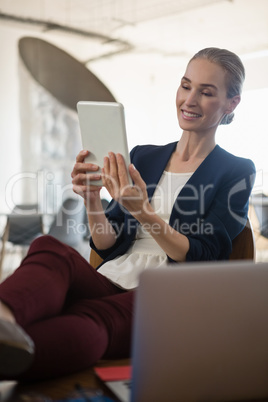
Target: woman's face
[{"x": 202, "y": 97}]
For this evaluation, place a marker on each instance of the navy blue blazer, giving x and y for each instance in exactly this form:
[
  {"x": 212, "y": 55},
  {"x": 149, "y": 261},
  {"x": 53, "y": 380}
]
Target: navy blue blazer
[{"x": 211, "y": 209}]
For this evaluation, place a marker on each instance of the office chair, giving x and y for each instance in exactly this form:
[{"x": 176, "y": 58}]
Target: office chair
[
  {"x": 23, "y": 225},
  {"x": 243, "y": 247},
  {"x": 69, "y": 225},
  {"x": 259, "y": 203}
]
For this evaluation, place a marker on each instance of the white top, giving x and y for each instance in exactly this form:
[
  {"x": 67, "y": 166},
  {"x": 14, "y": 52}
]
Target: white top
[{"x": 124, "y": 270}]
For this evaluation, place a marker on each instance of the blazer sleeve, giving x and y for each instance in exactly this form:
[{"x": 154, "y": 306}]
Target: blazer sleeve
[{"x": 226, "y": 216}]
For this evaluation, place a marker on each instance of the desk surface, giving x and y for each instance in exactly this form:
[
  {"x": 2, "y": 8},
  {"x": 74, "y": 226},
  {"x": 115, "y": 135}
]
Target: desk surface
[{"x": 57, "y": 388}]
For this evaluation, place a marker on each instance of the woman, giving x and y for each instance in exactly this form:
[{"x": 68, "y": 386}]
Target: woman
[{"x": 187, "y": 202}]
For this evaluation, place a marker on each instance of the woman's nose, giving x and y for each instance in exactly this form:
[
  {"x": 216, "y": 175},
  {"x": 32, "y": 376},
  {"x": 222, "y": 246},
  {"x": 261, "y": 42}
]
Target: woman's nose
[{"x": 191, "y": 98}]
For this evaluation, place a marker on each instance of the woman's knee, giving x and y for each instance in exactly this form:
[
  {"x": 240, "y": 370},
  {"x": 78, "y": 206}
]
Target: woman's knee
[{"x": 45, "y": 243}]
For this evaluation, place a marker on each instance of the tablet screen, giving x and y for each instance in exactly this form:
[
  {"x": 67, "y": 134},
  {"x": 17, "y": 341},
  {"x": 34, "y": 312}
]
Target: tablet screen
[{"x": 103, "y": 130}]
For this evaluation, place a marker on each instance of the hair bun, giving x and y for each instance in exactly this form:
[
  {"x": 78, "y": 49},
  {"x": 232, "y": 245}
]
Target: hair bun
[{"x": 227, "y": 119}]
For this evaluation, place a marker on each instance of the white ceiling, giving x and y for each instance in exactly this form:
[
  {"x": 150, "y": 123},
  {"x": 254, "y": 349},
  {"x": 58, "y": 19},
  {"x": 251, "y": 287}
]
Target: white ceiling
[{"x": 91, "y": 29}]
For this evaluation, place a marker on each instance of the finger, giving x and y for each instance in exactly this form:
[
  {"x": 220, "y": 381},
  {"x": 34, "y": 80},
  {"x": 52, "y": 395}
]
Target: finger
[
  {"x": 122, "y": 171},
  {"x": 85, "y": 191},
  {"x": 111, "y": 174},
  {"x": 86, "y": 179},
  {"x": 113, "y": 166},
  {"x": 135, "y": 176},
  {"x": 81, "y": 156},
  {"x": 78, "y": 178},
  {"x": 105, "y": 170},
  {"x": 80, "y": 190},
  {"x": 106, "y": 177},
  {"x": 80, "y": 159},
  {"x": 83, "y": 167},
  {"x": 92, "y": 178}
]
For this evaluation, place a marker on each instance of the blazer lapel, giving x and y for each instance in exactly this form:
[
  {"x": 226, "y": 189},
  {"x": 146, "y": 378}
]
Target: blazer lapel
[
  {"x": 159, "y": 160},
  {"x": 190, "y": 202}
]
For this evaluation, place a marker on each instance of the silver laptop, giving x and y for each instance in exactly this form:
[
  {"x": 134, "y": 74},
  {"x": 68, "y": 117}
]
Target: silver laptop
[{"x": 201, "y": 333}]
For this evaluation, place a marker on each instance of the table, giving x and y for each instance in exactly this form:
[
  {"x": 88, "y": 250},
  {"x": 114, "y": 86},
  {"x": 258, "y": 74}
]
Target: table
[{"x": 59, "y": 388}]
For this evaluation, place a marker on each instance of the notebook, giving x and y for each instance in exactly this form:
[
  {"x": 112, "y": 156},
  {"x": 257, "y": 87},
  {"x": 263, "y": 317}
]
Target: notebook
[{"x": 201, "y": 333}]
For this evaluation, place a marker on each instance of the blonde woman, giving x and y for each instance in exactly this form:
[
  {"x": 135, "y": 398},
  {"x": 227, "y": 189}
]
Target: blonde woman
[{"x": 187, "y": 202}]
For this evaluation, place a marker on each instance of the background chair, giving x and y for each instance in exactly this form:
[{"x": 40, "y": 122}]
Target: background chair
[
  {"x": 70, "y": 225},
  {"x": 259, "y": 202},
  {"x": 243, "y": 247},
  {"x": 23, "y": 225}
]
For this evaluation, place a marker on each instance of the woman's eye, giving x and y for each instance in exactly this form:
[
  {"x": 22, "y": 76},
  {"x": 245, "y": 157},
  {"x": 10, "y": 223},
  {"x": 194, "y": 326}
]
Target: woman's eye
[
  {"x": 185, "y": 87},
  {"x": 206, "y": 93}
]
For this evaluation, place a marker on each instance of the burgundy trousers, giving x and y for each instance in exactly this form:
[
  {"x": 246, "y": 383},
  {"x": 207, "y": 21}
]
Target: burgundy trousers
[{"x": 74, "y": 315}]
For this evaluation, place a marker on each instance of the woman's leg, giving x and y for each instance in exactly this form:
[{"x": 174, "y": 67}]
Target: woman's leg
[
  {"x": 51, "y": 274},
  {"x": 88, "y": 331},
  {"x": 53, "y": 296}
]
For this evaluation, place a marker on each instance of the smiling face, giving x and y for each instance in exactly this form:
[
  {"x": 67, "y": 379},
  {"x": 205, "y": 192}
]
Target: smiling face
[{"x": 202, "y": 97}]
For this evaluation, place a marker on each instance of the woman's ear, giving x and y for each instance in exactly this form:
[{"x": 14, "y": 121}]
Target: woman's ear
[{"x": 233, "y": 102}]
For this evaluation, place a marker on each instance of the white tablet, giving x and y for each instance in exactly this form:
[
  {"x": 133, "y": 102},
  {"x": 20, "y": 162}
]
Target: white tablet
[{"x": 103, "y": 130}]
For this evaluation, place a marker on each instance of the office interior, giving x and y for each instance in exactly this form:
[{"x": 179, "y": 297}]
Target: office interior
[{"x": 137, "y": 50}]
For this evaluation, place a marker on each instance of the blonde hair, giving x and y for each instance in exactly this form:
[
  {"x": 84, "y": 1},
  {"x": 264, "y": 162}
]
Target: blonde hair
[{"x": 234, "y": 68}]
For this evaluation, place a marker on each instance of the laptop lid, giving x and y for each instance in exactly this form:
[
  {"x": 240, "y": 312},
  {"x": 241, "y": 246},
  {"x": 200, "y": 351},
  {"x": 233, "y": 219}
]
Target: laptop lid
[{"x": 201, "y": 333}]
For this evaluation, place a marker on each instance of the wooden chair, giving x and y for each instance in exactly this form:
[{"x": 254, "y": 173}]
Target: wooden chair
[
  {"x": 244, "y": 244},
  {"x": 94, "y": 259},
  {"x": 243, "y": 247}
]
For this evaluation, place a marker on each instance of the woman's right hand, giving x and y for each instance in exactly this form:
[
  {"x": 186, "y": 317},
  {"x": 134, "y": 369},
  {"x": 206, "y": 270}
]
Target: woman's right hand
[{"x": 83, "y": 177}]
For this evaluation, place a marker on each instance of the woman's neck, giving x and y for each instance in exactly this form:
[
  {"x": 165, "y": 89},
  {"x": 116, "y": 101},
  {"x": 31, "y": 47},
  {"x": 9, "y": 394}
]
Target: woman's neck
[
  {"x": 193, "y": 146},
  {"x": 190, "y": 152}
]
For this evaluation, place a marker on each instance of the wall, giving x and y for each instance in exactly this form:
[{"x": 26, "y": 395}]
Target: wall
[
  {"x": 9, "y": 121},
  {"x": 146, "y": 85}
]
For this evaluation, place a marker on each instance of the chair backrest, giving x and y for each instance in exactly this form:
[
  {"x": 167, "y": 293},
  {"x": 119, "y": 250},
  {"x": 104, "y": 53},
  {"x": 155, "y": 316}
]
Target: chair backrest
[
  {"x": 259, "y": 202},
  {"x": 23, "y": 225},
  {"x": 244, "y": 244},
  {"x": 24, "y": 229},
  {"x": 94, "y": 259},
  {"x": 69, "y": 223}
]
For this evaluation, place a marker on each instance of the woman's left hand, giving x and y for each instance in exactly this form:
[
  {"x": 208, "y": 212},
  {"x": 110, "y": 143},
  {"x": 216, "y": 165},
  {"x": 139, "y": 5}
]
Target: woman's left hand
[
  {"x": 115, "y": 178},
  {"x": 135, "y": 199}
]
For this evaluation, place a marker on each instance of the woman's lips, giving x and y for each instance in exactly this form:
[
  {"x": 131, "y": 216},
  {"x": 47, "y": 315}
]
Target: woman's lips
[{"x": 190, "y": 115}]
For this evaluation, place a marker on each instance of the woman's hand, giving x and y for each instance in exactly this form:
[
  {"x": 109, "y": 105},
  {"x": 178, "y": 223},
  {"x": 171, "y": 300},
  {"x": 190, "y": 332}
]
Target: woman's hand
[
  {"x": 84, "y": 175},
  {"x": 115, "y": 178}
]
